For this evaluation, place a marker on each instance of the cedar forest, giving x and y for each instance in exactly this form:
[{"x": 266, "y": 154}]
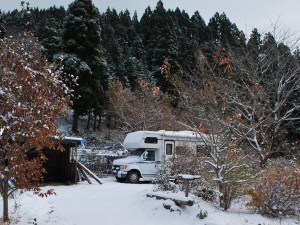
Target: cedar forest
[{"x": 172, "y": 71}]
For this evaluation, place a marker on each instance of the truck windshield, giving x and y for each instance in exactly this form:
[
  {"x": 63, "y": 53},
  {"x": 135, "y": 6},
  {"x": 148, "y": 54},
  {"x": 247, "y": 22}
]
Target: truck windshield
[{"x": 137, "y": 152}]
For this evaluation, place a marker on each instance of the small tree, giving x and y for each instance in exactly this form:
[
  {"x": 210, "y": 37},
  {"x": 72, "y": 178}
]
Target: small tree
[
  {"x": 144, "y": 109},
  {"x": 222, "y": 156},
  {"x": 229, "y": 165},
  {"x": 32, "y": 97},
  {"x": 258, "y": 94},
  {"x": 163, "y": 176}
]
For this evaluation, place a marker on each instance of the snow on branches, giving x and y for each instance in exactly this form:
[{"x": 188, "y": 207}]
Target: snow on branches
[{"x": 32, "y": 98}]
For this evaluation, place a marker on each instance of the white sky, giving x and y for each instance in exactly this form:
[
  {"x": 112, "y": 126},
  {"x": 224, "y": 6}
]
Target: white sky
[{"x": 247, "y": 14}]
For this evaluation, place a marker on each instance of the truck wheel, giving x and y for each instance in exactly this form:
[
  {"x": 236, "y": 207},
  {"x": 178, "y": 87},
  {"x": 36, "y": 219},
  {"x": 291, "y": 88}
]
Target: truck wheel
[{"x": 133, "y": 177}]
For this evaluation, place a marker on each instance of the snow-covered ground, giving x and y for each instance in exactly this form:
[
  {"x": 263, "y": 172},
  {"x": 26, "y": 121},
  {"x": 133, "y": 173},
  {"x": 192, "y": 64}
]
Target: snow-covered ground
[{"x": 115, "y": 203}]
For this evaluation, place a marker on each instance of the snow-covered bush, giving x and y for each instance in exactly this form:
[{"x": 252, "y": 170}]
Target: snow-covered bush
[
  {"x": 276, "y": 192},
  {"x": 163, "y": 177}
]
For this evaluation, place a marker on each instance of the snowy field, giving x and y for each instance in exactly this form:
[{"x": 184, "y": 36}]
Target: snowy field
[{"x": 115, "y": 203}]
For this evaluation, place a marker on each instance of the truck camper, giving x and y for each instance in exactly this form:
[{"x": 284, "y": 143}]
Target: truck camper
[{"x": 149, "y": 149}]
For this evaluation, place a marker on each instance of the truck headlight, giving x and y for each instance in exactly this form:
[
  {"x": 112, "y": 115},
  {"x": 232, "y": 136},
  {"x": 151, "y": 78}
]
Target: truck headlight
[{"x": 124, "y": 167}]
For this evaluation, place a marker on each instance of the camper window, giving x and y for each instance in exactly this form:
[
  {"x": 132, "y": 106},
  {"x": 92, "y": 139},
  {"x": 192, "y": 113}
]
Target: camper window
[
  {"x": 150, "y": 155},
  {"x": 137, "y": 152},
  {"x": 169, "y": 149},
  {"x": 151, "y": 140}
]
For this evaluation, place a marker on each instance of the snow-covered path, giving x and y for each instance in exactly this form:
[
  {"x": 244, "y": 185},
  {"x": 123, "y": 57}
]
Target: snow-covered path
[
  {"x": 111, "y": 203},
  {"x": 116, "y": 203}
]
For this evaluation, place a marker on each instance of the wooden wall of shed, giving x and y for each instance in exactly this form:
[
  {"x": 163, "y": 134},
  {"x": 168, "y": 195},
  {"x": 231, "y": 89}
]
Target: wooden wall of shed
[{"x": 60, "y": 167}]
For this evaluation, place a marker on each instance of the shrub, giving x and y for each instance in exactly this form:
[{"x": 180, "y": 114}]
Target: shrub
[
  {"x": 202, "y": 215},
  {"x": 162, "y": 179},
  {"x": 276, "y": 192}
]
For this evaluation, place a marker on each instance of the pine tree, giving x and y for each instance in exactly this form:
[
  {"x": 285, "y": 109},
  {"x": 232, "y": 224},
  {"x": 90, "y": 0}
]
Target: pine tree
[
  {"x": 81, "y": 37},
  {"x": 2, "y": 29},
  {"x": 160, "y": 43},
  {"x": 199, "y": 29},
  {"x": 113, "y": 49},
  {"x": 49, "y": 30},
  {"x": 224, "y": 33},
  {"x": 254, "y": 43}
]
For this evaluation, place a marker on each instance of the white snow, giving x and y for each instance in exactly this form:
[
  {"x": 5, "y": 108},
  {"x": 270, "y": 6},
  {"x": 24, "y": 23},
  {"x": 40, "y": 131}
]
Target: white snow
[
  {"x": 188, "y": 176},
  {"x": 115, "y": 203}
]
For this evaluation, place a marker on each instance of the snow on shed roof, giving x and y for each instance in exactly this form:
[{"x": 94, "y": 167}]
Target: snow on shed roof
[{"x": 72, "y": 139}]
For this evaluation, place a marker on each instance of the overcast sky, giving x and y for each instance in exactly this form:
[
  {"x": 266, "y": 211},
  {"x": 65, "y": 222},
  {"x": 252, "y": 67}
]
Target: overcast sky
[{"x": 247, "y": 14}]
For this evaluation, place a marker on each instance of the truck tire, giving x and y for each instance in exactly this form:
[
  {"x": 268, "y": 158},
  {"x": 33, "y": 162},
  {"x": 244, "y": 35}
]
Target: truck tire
[{"x": 133, "y": 177}]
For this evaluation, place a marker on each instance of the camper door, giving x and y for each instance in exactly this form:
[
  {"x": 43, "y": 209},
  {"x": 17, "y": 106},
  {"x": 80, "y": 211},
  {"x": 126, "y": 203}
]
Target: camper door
[{"x": 149, "y": 163}]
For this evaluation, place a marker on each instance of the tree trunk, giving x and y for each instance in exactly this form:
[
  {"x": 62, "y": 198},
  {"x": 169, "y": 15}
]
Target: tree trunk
[
  {"x": 75, "y": 122},
  {"x": 225, "y": 196},
  {"x": 95, "y": 120},
  {"x": 5, "y": 200},
  {"x": 263, "y": 162},
  {"x": 108, "y": 121},
  {"x": 99, "y": 121},
  {"x": 89, "y": 120}
]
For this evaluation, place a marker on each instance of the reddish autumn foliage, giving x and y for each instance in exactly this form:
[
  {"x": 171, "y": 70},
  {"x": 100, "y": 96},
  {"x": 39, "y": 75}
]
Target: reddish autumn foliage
[
  {"x": 277, "y": 191},
  {"x": 32, "y": 97}
]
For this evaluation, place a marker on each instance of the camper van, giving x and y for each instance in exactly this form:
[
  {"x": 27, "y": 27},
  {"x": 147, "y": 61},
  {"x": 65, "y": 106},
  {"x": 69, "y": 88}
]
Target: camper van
[{"x": 148, "y": 150}]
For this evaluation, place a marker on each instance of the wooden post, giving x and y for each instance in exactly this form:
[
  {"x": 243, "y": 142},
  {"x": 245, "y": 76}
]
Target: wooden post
[
  {"x": 85, "y": 175},
  {"x": 186, "y": 179},
  {"x": 186, "y": 188},
  {"x": 5, "y": 199},
  {"x": 89, "y": 172}
]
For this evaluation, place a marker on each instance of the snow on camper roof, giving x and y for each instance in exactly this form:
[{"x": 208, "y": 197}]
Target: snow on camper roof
[
  {"x": 183, "y": 134},
  {"x": 134, "y": 139}
]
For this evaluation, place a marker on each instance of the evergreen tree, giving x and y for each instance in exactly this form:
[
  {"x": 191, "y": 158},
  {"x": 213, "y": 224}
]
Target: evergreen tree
[
  {"x": 49, "y": 30},
  {"x": 136, "y": 22},
  {"x": 269, "y": 43},
  {"x": 158, "y": 36},
  {"x": 269, "y": 50},
  {"x": 49, "y": 34},
  {"x": 81, "y": 37},
  {"x": 124, "y": 52},
  {"x": 223, "y": 32},
  {"x": 199, "y": 29},
  {"x": 113, "y": 50},
  {"x": 2, "y": 29},
  {"x": 254, "y": 43},
  {"x": 19, "y": 21},
  {"x": 186, "y": 42},
  {"x": 84, "y": 97},
  {"x": 160, "y": 43}
]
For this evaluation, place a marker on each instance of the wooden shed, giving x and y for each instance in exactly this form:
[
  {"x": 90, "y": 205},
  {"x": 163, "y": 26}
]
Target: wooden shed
[{"x": 61, "y": 166}]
